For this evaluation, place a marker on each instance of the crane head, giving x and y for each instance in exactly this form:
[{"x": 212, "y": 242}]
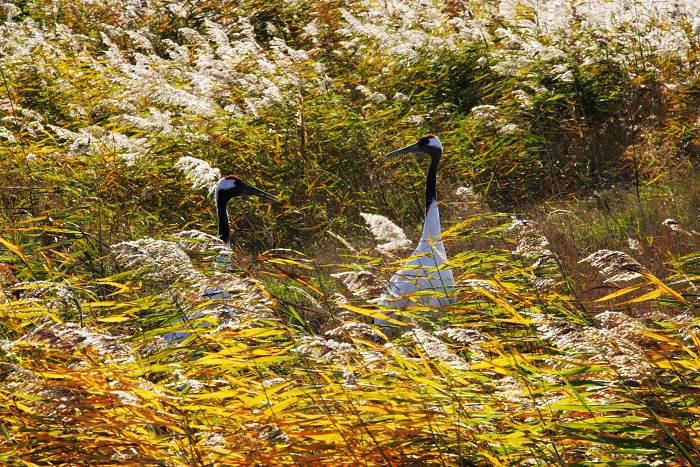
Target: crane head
[
  {"x": 428, "y": 144},
  {"x": 232, "y": 186}
]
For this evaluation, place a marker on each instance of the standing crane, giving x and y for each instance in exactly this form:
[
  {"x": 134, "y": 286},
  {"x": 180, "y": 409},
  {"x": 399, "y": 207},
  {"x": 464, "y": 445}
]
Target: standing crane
[{"x": 425, "y": 280}]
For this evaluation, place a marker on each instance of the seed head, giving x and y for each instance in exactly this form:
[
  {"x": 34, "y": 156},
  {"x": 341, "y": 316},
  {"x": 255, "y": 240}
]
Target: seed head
[
  {"x": 392, "y": 236},
  {"x": 615, "y": 266}
]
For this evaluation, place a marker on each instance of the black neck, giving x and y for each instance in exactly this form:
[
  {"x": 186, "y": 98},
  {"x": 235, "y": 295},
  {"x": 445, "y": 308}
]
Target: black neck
[
  {"x": 431, "y": 181},
  {"x": 222, "y": 216}
]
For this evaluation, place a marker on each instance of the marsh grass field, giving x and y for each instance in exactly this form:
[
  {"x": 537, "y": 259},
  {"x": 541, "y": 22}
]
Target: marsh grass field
[{"x": 570, "y": 201}]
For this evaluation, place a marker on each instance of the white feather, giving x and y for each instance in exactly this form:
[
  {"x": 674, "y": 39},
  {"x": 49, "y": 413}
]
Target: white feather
[
  {"x": 421, "y": 282},
  {"x": 434, "y": 142},
  {"x": 226, "y": 184}
]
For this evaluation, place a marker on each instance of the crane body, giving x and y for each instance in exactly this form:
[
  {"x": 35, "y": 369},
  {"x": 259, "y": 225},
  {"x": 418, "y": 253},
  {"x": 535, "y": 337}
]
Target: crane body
[{"x": 426, "y": 279}]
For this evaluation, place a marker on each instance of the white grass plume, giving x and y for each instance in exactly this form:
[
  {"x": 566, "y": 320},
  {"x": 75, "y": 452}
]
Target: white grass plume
[
  {"x": 634, "y": 245},
  {"x": 389, "y": 235},
  {"x": 615, "y": 266},
  {"x": 242, "y": 296},
  {"x": 160, "y": 259},
  {"x": 467, "y": 195},
  {"x": 361, "y": 283},
  {"x": 616, "y": 342},
  {"x": 198, "y": 242},
  {"x": 199, "y": 172},
  {"x": 71, "y": 337},
  {"x": 531, "y": 242},
  {"x": 675, "y": 226},
  {"x": 55, "y": 296},
  {"x": 437, "y": 350},
  {"x": 350, "y": 330}
]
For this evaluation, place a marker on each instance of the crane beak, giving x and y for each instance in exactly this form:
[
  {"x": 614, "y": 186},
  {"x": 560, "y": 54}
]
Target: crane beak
[
  {"x": 408, "y": 149},
  {"x": 251, "y": 190}
]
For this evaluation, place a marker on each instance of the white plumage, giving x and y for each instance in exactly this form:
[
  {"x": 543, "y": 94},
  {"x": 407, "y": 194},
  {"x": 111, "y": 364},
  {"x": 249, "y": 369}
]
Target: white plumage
[{"x": 425, "y": 280}]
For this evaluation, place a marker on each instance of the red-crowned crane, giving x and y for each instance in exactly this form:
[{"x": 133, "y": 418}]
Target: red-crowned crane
[
  {"x": 426, "y": 280},
  {"x": 228, "y": 188}
]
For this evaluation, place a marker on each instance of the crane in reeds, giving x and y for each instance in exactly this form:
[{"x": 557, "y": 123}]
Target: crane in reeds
[
  {"x": 424, "y": 278},
  {"x": 228, "y": 188}
]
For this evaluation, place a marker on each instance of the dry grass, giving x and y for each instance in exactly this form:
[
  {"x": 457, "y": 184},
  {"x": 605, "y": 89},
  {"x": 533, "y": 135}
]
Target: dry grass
[
  {"x": 619, "y": 220},
  {"x": 512, "y": 372}
]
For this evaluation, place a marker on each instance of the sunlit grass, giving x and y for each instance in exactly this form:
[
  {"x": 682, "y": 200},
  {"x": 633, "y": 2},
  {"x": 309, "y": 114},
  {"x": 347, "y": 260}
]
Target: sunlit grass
[{"x": 513, "y": 371}]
